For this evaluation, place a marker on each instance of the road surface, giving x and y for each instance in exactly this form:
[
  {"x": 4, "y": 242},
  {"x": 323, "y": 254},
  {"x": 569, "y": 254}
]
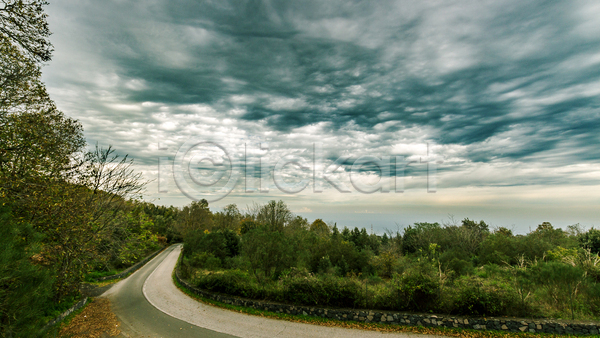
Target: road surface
[{"x": 148, "y": 304}]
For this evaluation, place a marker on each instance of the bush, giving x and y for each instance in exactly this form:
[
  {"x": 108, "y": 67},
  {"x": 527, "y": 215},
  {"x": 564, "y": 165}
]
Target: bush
[
  {"x": 593, "y": 297},
  {"x": 419, "y": 289},
  {"x": 321, "y": 290},
  {"x": 205, "y": 260},
  {"x": 454, "y": 260},
  {"x": 231, "y": 282},
  {"x": 478, "y": 297},
  {"x": 562, "y": 282}
]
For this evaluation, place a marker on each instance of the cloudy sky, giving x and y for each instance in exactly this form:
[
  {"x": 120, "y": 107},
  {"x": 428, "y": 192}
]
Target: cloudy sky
[{"x": 503, "y": 96}]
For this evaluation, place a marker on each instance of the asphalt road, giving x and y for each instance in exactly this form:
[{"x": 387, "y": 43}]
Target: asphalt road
[
  {"x": 139, "y": 318},
  {"x": 148, "y": 304}
]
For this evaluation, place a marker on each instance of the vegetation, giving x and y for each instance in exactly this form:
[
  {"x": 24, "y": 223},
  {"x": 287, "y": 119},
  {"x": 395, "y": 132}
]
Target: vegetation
[
  {"x": 381, "y": 327},
  {"x": 456, "y": 268},
  {"x": 65, "y": 212}
]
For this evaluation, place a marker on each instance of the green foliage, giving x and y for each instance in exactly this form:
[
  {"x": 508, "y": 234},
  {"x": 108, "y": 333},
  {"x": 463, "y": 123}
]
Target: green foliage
[
  {"x": 205, "y": 260},
  {"x": 214, "y": 243},
  {"x": 419, "y": 237},
  {"x": 228, "y": 219},
  {"x": 325, "y": 290},
  {"x": 590, "y": 240},
  {"x": 194, "y": 217},
  {"x": 484, "y": 297},
  {"x": 344, "y": 256},
  {"x": 231, "y": 282},
  {"x": 71, "y": 207},
  {"x": 269, "y": 252},
  {"x": 419, "y": 288},
  {"x": 25, "y": 286},
  {"x": 247, "y": 225},
  {"x": 320, "y": 227},
  {"x": 275, "y": 214},
  {"x": 562, "y": 282},
  {"x": 459, "y": 269}
]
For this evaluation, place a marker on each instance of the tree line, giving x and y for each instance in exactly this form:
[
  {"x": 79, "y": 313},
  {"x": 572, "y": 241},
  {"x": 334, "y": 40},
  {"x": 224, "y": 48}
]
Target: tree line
[{"x": 462, "y": 268}]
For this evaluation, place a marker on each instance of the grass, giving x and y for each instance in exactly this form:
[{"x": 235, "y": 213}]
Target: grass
[{"x": 450, "y": 332}]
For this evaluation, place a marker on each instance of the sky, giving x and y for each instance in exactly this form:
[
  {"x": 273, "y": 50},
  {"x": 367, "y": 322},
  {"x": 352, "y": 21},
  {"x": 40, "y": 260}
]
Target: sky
[{"x": 369, "y": 114}]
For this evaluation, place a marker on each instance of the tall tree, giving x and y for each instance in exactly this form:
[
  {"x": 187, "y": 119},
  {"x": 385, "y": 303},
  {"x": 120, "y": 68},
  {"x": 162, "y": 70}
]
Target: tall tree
[
  {"x": 275, "y": 214},
  {"x": 24, "y": 24}
]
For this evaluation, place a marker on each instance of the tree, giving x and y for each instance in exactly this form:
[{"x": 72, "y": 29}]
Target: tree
[
  {"x": 419, "y": 237},
  {"x": 268, "y": 251},
  {"x": 29, "y": 120},
  {"x": 195, "y": 216},
  {"x": 74, "y": 209},
  {"x": 275, "y": 214},
  {"x": 229, "y": 218},
  {"x": 319, "y": 227},
  {"x": 298, "y": 223},
  {"x": 247, "y": 225},
  {"x": 591, "y": 240},
  {"x": 37, "y": 142},
  {"x": 23, "y": 24},
  {"x": 25, "y": 286},
  {"x": 504, "y": 231}
]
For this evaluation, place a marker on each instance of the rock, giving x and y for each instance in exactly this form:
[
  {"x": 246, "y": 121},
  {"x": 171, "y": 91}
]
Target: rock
[
  {"x": 504, "y": 327},
  {"x": 523, "y": 328}
]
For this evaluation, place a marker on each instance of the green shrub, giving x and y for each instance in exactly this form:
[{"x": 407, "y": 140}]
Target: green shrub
[
  {"x": 562, "y": 283},
  {"x": 210, "y": 242},
  {"x": 205, "y": 260},
  {"x": 593, "y": 298},
  {"x": 231, "y": 282},
  {"x": 321, "y": 290},
  {"x": 419, "y": 289},
  {"x": 478, "y": 297}
]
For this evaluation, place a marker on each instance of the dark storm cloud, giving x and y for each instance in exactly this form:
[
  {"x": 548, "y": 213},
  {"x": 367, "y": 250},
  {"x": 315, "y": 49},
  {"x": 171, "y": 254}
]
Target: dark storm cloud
[{"x": 470, "y": 73}]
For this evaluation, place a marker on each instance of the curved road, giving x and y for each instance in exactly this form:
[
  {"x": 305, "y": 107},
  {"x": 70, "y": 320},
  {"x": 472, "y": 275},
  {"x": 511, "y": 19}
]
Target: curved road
[{"x": 148, "y": 304}]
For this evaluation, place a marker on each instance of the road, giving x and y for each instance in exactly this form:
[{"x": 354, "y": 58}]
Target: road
[{"x": 148, "y": 304}]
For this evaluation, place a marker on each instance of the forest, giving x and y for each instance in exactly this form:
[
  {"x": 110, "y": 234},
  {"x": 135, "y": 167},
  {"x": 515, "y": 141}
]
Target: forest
[{"x": 462, "y": 268}]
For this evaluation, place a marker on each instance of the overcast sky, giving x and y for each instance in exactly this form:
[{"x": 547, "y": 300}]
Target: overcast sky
[{"x": 505, "y": 96}]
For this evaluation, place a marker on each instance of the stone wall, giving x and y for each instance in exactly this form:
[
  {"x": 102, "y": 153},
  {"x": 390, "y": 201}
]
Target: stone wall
[{"x": 401, "y": 318}]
